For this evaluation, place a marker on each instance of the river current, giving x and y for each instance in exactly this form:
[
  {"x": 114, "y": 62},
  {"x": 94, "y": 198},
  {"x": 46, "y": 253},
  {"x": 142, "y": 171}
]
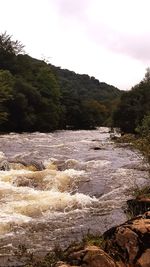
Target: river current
[{"x": 82, "y": 185}]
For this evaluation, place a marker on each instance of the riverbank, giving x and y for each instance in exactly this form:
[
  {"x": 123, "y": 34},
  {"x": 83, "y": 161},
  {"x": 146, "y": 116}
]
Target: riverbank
[{"x": 127, "y": 245}]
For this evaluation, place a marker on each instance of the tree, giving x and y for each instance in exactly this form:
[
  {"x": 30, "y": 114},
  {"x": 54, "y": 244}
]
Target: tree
[
  {"x": 6, "y": 93},
  {"x": 9, "y": 46},
  {"x": 9, "y": 49},
  {"x": 133, "y": 106},
  {"x": 147, "y": 75},
  {"x": 93, "y": 114},
  {"x": 40, "y": 97},
  {"x": 144, "y": 128},
  {"x": 23, "y": 107}
]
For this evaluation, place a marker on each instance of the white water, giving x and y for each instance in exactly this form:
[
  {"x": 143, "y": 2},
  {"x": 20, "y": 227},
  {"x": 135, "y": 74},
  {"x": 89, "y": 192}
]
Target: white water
[{"x": 80, "y": 188}]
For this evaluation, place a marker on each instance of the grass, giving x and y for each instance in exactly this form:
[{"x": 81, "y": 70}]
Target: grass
[
  {"x": 93, "y": 240},
  {"x": 142, "y": 192}
]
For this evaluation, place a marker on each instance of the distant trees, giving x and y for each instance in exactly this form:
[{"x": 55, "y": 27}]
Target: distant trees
[
  {"x": 93, "y": 114},
  {"x": 86, "y": 102},
  {"x": 133, "y": 106},
  {"x": 6, "y": 93},
  {"x": 144, "y": 128}
]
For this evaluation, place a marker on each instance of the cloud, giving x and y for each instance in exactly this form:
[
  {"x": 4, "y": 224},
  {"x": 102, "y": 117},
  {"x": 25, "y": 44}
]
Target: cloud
[
  {"x": 134, "y": 45},
  {"x": 122, "y": 27},
  {"x": 71, "y": 7}
]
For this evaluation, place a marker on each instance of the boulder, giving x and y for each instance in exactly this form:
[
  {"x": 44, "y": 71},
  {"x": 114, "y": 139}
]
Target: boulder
[
  {"x": 130, "y": 242},
  {"x": 96, "y": 257},
  {"x": 127, "y": 245},
  {"x": 62, "y": 264},
  {"x": 89, "y": 256},
  {"x": 144, "y": 260}
]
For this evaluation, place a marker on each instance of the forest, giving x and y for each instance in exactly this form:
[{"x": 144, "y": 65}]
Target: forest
[{"x": 37, "y": 96}]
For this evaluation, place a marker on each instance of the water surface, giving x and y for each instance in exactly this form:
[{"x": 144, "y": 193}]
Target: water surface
[{"x": 84, "y": 186}]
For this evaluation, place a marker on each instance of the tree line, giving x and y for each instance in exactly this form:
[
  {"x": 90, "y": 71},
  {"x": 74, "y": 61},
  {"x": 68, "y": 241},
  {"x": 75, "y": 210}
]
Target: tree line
[
  {"x": 37, "y": 96},
  {"x": 132, "y": 114}
]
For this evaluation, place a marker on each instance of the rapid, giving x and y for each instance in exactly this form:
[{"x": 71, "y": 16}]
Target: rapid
[{"x": 61, "y": 185}]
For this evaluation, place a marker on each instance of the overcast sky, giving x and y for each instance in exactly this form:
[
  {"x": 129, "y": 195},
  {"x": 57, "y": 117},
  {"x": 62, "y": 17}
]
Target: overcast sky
[{"x": 108, "y": 39}]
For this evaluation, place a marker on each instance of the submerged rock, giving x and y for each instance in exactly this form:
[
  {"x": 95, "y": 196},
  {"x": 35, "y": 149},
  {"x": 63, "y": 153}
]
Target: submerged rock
[
  {"x": 27, "y": 164},
  {"x": 4, "y": 165}
]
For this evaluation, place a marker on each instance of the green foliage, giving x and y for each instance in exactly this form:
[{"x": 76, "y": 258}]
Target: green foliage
[
  {"x": 36, "y": 96},
  {"x": 132, "y": 115},
  {"x": 6, "y": 93},
  {"x": 93, "y": 240},
  {"x": 88, "y": 103},
  {"x": 143, "y": 192},
  {"x": 127, "y": 139},
  {"x": 133, "y": 106},
  {"x": 10, "y": 46},
  {"x": 144, "y": 128},
  {"x": 9, "y": 49},
  {"x": 143, "y": 142},
  {"x": 6, "y": 85},
  {"x": 93, "y": 114}
]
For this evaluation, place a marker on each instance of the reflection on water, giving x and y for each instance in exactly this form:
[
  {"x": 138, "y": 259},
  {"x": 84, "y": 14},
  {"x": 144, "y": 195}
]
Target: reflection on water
[{"x": 60, "y": 185}]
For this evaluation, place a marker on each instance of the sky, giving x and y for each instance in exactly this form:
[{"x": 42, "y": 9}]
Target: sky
[{"x": 107, "y": 39}]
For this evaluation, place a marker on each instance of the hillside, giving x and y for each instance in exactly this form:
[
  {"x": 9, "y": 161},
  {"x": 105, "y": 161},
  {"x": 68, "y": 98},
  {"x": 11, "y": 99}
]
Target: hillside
[
  {"x": 36, "y": 96},
  {"x": 88, "y": 102}
]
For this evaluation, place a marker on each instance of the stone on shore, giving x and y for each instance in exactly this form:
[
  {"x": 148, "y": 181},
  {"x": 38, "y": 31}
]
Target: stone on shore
[{"x": 127, "y": 245}]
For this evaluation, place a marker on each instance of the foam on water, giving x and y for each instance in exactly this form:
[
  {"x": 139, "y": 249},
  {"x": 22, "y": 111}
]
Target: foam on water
[
  {"x": 80, "y": 188},
  {"x": 25, "y": 195}
]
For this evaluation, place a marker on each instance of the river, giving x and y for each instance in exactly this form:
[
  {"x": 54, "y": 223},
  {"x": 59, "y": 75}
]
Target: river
[{"x": 84, "y": 186}]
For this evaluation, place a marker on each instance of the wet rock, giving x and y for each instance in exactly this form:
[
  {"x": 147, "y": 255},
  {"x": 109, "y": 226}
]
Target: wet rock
[
  {"x": 96, "y": 257},
  {"x": 129, "y": 241},
  {"x": 90, "y": 256},
  {"x": 96, "y": 148},
  {"x": 27, "y": 164},
  {"x": 4, "y": 165},
  {"x": 127, "y": 245},
  {"x": 20, "y": 181},
  {"x": 62, "y": 264},
  {"x": 68, "y": 164},
  {"x": 137, "y": 166},
  {"x": 144, "y": 260}
]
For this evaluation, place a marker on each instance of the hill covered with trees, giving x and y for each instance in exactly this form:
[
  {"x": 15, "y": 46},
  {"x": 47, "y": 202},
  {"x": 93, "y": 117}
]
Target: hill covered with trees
[
  {"x": 133, "y": 109},
  {"x": 36, "y": 96}
]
